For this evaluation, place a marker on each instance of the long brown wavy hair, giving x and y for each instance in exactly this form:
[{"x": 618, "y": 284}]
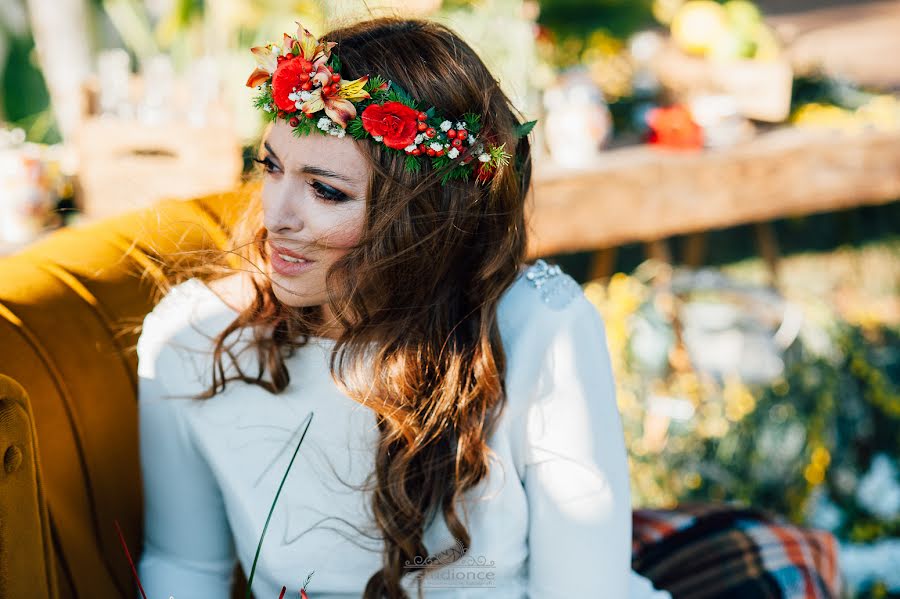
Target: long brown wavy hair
[{"x": 423, "y": 284}]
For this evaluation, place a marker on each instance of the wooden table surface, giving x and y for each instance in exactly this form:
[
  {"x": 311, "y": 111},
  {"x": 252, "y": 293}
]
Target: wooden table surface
[{"x": 645, "y": 193}]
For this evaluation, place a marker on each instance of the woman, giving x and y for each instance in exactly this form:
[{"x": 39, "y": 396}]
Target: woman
[{"x": 465, "y": 439}]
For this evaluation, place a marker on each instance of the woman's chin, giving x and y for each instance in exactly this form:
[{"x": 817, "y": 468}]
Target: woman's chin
[{"x": 288, "y": 292}]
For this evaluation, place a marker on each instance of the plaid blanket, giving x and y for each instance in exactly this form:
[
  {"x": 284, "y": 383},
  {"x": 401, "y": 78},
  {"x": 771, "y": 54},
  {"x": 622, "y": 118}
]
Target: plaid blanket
[{"x": 711, "y": 550}]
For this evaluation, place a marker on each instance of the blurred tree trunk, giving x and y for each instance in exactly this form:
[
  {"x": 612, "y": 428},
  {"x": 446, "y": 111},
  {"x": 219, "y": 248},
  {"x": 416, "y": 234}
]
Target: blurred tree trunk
[{"x": 62, "y": 41}]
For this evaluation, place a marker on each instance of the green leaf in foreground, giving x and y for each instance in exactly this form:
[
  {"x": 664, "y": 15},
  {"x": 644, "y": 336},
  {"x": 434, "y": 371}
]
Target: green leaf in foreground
[{"x": 272, "y": 508}]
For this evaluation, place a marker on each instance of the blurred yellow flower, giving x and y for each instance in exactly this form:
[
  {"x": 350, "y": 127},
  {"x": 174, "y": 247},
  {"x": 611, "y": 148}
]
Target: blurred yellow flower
[
  {"x": 814, "y": 474},
  {"x": 739, "y": 401},
  {"x": 692, "y": 480},
  {"x": 821, "y": 457},
  {"x": 881, "y": 112}
]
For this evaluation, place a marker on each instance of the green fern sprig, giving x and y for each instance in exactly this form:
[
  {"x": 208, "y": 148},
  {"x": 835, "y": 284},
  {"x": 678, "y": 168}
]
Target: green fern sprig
[
  {"x": 460, "y": 171},
  {"x": 373, "y": 84},
  {"x": 356, "y": 129},
  {"x": 439, "y": 162},
  {"x": 305, "y": 126},
  {"x": 263, "y": 99},
  {"x": 499, "y": 158},
  {"x": 473, "y": 122},
  {"x": 412, "y": 164},
  {"x": 397, "y": 94}
]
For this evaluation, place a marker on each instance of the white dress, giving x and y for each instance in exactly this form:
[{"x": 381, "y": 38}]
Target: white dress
[{"x": 551, "y": 521}]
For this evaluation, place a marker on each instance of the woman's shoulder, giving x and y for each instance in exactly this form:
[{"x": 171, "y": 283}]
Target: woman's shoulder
[
  {"x": 186, "y": 319},
  {"x": 542, "y": 299},
  {"x": 547, "y": 283},
  {"x": 545, "y": 318}
]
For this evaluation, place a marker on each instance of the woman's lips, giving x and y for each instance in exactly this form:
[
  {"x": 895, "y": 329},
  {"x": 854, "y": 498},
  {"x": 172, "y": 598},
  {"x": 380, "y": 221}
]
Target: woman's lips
[
  {"x": 287, "y": 267},
  {"x": 283, "y": 250}
]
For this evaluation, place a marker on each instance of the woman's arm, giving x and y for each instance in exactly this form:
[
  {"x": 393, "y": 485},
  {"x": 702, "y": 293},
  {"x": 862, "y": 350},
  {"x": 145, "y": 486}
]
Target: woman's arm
[
  {"x": 188, "y": 548},
  {"x": 575, "y": 465}
]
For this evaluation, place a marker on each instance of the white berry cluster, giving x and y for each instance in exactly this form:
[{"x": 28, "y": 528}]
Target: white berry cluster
[
  {"x": 299, "y": 97},
  {"x": 330, "y": 127},
  {"x": 448, "y": 142}
]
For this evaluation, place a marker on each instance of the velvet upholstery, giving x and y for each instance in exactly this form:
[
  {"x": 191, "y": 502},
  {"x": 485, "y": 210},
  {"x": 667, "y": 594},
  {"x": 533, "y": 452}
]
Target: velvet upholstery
[{"x": 70, "y": 306}]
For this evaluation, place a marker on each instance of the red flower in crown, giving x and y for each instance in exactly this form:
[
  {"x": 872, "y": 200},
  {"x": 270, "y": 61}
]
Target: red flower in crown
[
  {"x": 290, "y": 74},
  {"x": 395, "y": 123}
]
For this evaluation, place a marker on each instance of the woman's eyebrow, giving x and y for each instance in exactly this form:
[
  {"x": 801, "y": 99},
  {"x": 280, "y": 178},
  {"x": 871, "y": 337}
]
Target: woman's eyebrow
[
  {"x": 322, "y": 172},
  {"x": 312, "y": 170}
]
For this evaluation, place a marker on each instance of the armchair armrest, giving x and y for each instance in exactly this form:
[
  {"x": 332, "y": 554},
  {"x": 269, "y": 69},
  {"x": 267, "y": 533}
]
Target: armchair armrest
[{"x": 26, "y": 556}]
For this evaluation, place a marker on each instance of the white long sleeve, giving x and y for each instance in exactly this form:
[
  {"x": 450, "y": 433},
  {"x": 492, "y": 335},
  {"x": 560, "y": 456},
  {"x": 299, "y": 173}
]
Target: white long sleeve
[
  {"x": 188, "y": 549},
  {"x": 576, "y": 468},
  {"x": 551, "y": 521}
]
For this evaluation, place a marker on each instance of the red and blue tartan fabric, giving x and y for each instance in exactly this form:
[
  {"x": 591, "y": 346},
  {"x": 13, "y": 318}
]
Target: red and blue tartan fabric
[{"x": 711, "y": 550}]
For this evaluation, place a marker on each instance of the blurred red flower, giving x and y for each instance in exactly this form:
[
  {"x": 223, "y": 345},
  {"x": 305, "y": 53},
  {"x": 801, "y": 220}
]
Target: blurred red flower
[{"x": 674, "y": 127}]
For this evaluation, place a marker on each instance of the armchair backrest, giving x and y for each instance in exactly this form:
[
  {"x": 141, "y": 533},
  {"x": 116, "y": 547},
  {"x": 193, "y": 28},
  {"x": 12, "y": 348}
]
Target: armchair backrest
[{"x": 70, "y": 308}]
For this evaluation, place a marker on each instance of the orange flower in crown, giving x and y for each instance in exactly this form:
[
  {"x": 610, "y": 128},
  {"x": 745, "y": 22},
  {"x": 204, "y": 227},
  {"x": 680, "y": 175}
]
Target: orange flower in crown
[{"x": 300, "y": 82}]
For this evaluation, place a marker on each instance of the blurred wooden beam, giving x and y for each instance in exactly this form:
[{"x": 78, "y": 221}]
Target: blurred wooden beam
[
  {"x": 767, "y": 245},
  {"x": 695, "y": 249},
  {"x": 603, "y": 263}
]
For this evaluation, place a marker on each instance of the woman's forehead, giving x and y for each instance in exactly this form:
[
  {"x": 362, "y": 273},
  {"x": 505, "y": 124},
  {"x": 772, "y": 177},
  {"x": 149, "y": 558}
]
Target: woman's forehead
[{"x": 341, "y": 155}]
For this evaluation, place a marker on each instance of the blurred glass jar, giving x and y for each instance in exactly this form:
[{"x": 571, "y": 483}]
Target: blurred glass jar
[
  {"x": 27, "y": 189},
  {"x": 158, "y": 76},
  {"x": 114, "y": 72},
  {"x": 721, "y": 119},
  {"x": 578, "y": 123},
  {"x": 204, "y": 86}
]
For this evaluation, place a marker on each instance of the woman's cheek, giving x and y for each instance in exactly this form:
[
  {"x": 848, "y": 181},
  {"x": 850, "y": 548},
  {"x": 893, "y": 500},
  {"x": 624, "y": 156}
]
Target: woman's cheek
[{"x": 345, "y": 233}]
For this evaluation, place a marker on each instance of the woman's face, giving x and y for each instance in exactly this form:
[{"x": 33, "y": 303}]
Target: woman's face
[{"x": 314, "y": 206}]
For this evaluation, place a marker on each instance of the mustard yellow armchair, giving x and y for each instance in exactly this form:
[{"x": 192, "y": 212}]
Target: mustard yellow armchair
[{"x": 70, "y": 306}]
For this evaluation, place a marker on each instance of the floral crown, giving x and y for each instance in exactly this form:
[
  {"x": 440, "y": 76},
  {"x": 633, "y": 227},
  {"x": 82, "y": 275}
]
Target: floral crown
[{"x": 299, "y": 82}]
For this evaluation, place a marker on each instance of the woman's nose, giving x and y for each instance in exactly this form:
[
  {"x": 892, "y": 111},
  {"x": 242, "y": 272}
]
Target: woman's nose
[{"x": 281, "y": 215}]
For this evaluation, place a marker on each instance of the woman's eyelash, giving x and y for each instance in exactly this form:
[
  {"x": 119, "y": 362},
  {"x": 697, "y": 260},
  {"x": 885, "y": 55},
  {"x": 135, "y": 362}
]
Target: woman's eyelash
[
  {"x": 266, "y": 162},
  {"x": 323, "y": 191},
  {"x": 328, "y": 193}
]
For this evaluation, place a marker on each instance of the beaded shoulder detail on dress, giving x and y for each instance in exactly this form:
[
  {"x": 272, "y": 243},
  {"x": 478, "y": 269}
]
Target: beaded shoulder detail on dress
[{"x": 556, "y": 287}]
